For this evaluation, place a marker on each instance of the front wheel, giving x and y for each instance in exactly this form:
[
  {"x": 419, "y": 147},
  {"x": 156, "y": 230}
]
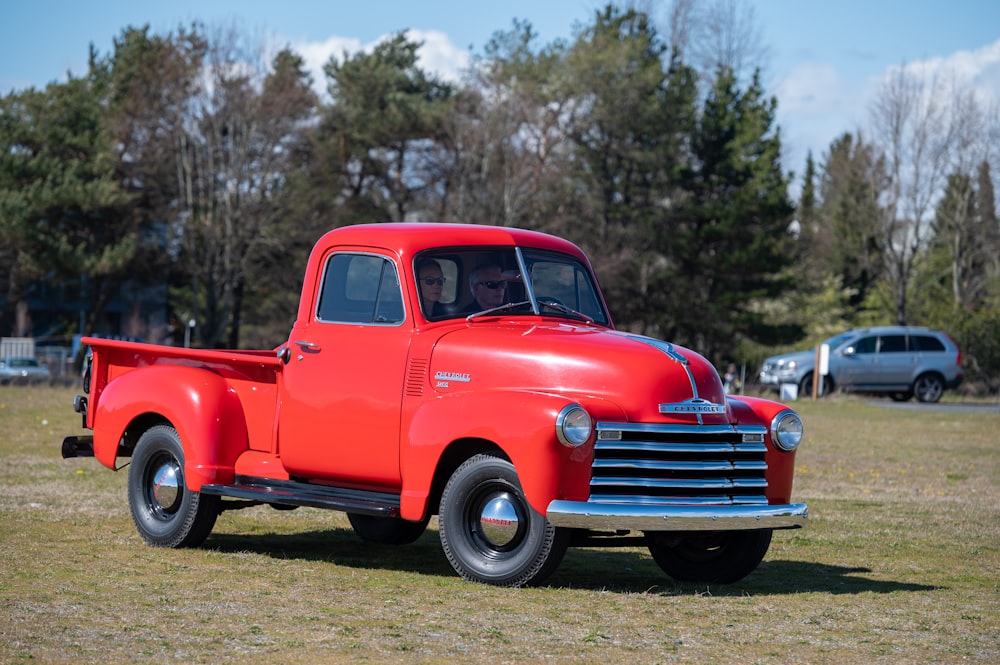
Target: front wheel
[
  {"x": 719, "y": 557},
  {"x": 165, "y": 512},
  {"x": 490, "y": 533},
  {"x": 806, "y": 386}
]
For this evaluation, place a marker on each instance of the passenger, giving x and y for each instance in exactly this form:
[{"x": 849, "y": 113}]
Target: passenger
[{"x": 430, "y": 281}]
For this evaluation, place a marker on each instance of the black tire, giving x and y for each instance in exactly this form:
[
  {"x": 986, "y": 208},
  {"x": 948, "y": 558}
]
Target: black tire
[
  {"x": 718, "y": 557},
  {"x": 165, "y": 512},
  {"x": 928, "y": 388},
  {"x": 386, "y": 530},
  {"x": 901, "y": 397},
  {"x": 806, "y": 386},
  {"x": 515, "y": 545}
]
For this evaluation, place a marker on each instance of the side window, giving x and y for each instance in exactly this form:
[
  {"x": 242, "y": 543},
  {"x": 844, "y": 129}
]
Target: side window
[
  {"x": 866, "y": 345},
  {"x": 360, "y": 288},
  {"x": 892, "y": 344},
  {"x": 925, "y": 343}
]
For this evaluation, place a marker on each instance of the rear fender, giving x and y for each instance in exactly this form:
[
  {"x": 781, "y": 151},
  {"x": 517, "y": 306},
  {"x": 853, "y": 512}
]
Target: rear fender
[{"x": 202, "y": 407}]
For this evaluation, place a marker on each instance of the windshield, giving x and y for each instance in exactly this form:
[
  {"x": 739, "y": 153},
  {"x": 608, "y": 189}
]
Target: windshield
[
  {"x": 463, "y": 282},
  {"x": 835, "y": 341}
]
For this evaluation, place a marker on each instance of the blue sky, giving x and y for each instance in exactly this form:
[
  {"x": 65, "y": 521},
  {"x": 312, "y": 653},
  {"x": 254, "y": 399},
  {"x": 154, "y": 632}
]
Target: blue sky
[{"x": 826, "y": 56}]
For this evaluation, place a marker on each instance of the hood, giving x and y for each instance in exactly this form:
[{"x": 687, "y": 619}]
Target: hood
[
  {"x": 637, "y": 373},
  {"x": 801, "y": 358}
]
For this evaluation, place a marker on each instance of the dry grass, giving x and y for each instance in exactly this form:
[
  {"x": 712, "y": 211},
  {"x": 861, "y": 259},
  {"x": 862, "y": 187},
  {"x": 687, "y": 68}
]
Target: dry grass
[{"x": 899, "y": 565}]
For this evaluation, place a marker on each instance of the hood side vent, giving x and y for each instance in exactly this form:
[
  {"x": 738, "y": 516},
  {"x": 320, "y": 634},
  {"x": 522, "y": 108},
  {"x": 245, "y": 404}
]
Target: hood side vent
[{"x": 416, "y": 377}]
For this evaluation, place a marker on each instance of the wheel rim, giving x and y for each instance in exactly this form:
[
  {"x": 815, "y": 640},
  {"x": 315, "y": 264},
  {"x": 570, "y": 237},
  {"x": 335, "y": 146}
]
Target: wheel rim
[
  {"x": 928, "y": 389},
  {"x": 164, "y": 487},
  {"x": 496, "y": 521}
]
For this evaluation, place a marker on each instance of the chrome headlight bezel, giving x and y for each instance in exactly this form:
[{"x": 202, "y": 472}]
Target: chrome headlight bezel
[
  {"x": 574, "y": 426},
  {"x": 786, "y": 430}
]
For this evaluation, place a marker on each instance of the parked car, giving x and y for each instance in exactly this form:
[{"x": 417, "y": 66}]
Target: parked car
[
  {"x": 22, "y": 370},
  {"x": 899, "y": 361}
]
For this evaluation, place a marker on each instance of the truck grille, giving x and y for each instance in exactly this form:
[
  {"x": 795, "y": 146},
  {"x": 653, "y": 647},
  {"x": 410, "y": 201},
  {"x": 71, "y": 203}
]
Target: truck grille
[{"x": 679, "y": 464}]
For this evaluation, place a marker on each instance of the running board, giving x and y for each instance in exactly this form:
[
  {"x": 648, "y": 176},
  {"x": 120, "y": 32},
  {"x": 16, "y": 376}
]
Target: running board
[{"x": 291, "y": 493}]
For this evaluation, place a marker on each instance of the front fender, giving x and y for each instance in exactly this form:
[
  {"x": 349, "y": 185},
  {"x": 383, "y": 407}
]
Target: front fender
[
  {"x": 780, "y": 463},
  {"x": 520, "y": 423},
  {"x": 202, "y": 407}
]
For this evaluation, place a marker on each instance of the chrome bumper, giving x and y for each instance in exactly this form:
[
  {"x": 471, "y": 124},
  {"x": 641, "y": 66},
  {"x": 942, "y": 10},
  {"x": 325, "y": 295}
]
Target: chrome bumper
[{"x": 659, "y": 517}]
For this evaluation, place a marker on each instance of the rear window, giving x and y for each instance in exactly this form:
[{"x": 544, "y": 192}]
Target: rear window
[
  {"x": 893, "y": 344},
  {"x": 925, "y": 343}
]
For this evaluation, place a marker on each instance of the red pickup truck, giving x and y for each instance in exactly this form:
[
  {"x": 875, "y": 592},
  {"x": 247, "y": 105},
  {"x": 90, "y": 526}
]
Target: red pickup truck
[{"x": 463, "y": 371}]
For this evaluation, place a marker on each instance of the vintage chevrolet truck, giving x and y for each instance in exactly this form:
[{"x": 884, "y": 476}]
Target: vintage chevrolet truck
[{"x": 463, "y": 371}]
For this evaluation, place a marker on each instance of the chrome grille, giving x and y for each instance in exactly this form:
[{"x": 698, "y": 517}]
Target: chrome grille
[{"x": 679, "y": 464}]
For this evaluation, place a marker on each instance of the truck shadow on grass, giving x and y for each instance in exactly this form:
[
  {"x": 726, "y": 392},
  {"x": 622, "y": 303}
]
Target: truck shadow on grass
[{"x": 614, "y": 569}]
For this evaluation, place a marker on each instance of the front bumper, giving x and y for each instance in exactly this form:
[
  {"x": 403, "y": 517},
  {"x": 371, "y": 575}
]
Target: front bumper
[{"x": 659, "y": 517}]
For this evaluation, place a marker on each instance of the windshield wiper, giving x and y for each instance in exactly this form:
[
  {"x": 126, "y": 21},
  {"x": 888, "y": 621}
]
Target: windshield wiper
[
  {"x": 499, "y": 308},
  {"x": 559, "y": 307}
]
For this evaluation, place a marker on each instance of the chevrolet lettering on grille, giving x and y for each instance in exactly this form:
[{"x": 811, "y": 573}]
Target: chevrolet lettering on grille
[{"x": 693, "y": 406}]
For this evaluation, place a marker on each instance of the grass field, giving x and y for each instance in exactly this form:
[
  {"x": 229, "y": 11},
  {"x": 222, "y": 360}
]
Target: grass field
[{"x": 900, "y": 564}]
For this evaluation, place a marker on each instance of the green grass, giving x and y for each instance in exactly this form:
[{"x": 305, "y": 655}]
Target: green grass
[{"x": 900, "y": 564}]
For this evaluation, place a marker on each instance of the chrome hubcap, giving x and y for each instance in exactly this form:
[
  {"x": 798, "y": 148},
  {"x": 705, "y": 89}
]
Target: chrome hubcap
[
  {"x": 166, "y": 489},
  {"x": 499, "y": 520}
]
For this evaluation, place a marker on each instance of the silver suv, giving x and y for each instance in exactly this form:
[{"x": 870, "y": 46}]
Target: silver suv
[{"x": 899, "y": 361}]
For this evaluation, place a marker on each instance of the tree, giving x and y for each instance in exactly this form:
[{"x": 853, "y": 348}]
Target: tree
[
  {"x": 631, "y": 117},
  {"x": 64, "y": 207},
  {"x": 378, "y": 138},
  {"x": 228, "y": 123},
  {"x": 506, "y": 141},
  {"x": 916, "y": 131},
  {"x": 844, "y": 239},
  {"x": 728, "y": 240}
]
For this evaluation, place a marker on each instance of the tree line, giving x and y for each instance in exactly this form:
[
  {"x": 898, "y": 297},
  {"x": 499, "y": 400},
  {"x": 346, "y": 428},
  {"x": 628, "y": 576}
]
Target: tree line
[{"x": 196, "y": 160}]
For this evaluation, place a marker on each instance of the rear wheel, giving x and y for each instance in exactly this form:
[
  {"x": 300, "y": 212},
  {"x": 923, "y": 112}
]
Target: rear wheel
[
  {"x": 165, "y": 512},
  {"x": 720, "y": 557},
  {"x": 928, "y": 387},
  {"x": 386, "y": 530},
  {"x": 488, "y": 530}
]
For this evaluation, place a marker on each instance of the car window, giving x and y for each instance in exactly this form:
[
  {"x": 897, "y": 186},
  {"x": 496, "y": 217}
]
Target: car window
[
  {"x": 360, "y": 288},
  {"x": 892, "y": 344},
  {"x": 866, "y": 345},
  {"x": 925, "y": 343}
]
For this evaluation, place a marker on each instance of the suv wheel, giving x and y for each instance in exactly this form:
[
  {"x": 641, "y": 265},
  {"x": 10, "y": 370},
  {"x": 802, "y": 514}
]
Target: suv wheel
[{"x": 928, "y": 387}]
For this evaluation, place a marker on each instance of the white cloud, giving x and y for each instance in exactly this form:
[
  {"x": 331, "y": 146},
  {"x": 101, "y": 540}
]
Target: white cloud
[
  {"x": 816, "y": 103},
  {"x": 977, "y": 70},
  {"x": 437, "y": 54}
]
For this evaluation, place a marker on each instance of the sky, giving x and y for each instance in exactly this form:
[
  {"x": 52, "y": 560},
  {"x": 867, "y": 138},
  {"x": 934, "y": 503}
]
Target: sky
[{"x": 825, "y": 60}]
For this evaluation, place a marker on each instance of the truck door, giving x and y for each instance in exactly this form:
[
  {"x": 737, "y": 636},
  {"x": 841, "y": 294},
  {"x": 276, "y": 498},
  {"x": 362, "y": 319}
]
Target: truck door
[{"x": 340, "y": 408}]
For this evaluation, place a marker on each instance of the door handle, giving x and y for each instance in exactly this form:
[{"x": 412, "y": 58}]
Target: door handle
[{"x": 306, "y": 345}]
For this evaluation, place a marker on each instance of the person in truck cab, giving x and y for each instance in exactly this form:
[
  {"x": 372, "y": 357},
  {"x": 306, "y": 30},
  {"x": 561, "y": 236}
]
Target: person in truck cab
[
  {"x": 488, "y": 288},
  {"x": 430, "y": 280}
]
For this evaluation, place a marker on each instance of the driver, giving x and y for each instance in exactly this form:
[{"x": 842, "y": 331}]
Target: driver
[{"x": 489, "y": 288}]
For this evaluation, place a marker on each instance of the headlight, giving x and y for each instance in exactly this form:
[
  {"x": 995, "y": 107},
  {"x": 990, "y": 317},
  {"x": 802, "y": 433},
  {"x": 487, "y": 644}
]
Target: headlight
[
  {"x": 786, "y": 430},
  {"x": 791, "y": 365},
  {"x": 573, "y": 426}
]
